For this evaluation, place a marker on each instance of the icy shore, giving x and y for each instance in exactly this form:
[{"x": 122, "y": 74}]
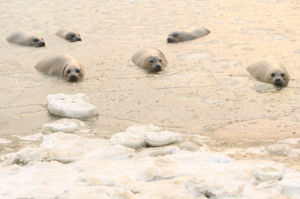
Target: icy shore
[{"x": 68, "y": 166}]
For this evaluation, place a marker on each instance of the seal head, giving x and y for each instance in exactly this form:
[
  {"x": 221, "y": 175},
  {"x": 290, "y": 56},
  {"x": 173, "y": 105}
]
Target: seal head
[
  {"x": 174, "y": 37},
  {"x": 155, "y": 64},
  {"x": 37, "y": 41},
  {"x": 73, "y": 36},
  {"x": 73, "y": 73},
  {"x": 278, "y": 78}
]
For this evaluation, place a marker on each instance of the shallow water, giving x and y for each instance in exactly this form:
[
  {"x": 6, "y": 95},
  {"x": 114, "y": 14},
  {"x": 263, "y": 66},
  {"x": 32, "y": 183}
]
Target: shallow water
[{"x": 205, "y": 89}]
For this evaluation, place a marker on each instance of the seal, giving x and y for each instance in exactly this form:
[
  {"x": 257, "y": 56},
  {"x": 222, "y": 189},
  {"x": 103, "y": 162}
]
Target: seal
[
  {"x": 69, "y": 34},
  {"x": 26, "y": 39},
  {"x": 150, "y": 59},
  {"x": 180, "y": 36},
  {"x": 63, "y": 66},
  {"x": 270, "y": 72}
]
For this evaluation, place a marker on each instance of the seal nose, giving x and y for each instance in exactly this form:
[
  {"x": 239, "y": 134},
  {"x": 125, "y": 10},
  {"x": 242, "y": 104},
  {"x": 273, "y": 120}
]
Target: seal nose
[
  {"x": 73, "y": 78},
  {"x": 170, "y": 40},
  {"x": 78, "y": 39},
  {"x": 278, "y": 82},
  {"x": 42, "y": 44},
  {"x": 157, "y": 67}
]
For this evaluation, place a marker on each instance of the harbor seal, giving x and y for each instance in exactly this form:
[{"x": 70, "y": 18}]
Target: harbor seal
[
  {"x": 270, "y": 72},
  {"x": 26, "y": 39},
  {"x": 150, "y": 59},
  {"x": 180, "y": 36},
  {"x": 63, "y": 66},
  {"x": 69, "y": 34}
]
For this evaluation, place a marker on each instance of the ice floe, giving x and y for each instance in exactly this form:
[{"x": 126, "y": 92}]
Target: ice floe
[
  {"x": 69, "y": 166},
  {"x": 145, "y": 136},
  {"x": 71, "y": 106},
  {"x": 4, "y": 141},
  {"x": 65, "y": 125}
]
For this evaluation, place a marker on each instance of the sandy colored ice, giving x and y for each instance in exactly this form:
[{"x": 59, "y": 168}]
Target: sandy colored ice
[{"x": 205, "y": 89}]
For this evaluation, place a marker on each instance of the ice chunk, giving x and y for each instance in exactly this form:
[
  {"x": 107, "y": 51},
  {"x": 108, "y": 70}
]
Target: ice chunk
[
  {"x": 23, "y": 157},
  {"x": 4, "y": 141},
  {"x": 262, "y": 87},
  {"x": 144, "y": 136},
  {"x": 64, "y": 125},
  {"x": 268, "y": 173},
  {"x": 72, "y": 106},
  {"x": 214, "y": 188},
  {"x": 279, "y": 149}
]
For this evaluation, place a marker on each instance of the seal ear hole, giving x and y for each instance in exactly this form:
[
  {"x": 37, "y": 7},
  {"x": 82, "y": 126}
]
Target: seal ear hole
[
  {"x": 77, "y": 71},
  {"x": 282, "y": 75},
  {"x": 68, "y": 71},
  {"x": 272, "y": 74}
]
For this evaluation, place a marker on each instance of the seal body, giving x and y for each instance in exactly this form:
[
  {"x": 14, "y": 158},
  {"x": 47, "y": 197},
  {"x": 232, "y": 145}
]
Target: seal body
[
  {"x": 270, "y": 72},
  {"x": 26, "y": 39},
  {"x": 63, "y": 66},
  {"x": 180, "y": 36},
  {"x": 150, "y": 59},
  {"x": 69, "y": 34}
]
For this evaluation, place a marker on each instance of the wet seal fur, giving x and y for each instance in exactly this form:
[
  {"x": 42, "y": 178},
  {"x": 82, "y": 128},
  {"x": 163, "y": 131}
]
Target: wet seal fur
[
  {"x": 270, "y": 72},
  {"x": 69, "y": 34},
  {"x": 180, "y": 36},
  {"x": 26, "y": 39},
  {"x": 63, "y": 66},
  {"x": 150, "y": 59}
]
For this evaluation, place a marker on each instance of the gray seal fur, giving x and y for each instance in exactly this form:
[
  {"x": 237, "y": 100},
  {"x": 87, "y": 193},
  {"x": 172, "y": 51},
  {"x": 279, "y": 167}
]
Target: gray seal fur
[
  {"x": 63, "y": 66},
  {"x": 180, "y": 36},
  {"x": 150, "y": 59},
  {"x": 69, "y": 34},
  {"x": 270, "y": 72},
  {"x": 26, "y": 39}
]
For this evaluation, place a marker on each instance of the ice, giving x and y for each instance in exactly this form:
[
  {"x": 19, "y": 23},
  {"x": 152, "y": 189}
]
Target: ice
[
  {"x": 145, "y": 136},
  {"x": 64, "y": 125},
  {"x": 264, "y": 87},
  {"x": 268, "y": 173},
  {"x": 71, "y": 106},
  {"x": 279, "y": 149},
  {"x": 69, "y": 166},
  {"x": 35, "y": 137},
  {"x": 4, "y": 141}
]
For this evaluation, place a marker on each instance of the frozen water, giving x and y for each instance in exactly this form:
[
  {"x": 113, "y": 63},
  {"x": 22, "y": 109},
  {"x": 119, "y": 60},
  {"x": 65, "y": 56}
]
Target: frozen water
[{"x": 71, "y": 106}]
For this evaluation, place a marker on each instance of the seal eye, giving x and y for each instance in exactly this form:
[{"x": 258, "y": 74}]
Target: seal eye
[
  {"x": 72, "y": 36},
  {"x": 69, "y": 71},
  {"x": 272, "y": 74},
  {"x": 175, "y": 35},
  {"x": 77, "y": 71},
  {"x": 282, "y": 75},
  {"x": 151, "y": 61},
  {"x": 160, "y": 60},
  {"x": 35, "y": 40}
]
